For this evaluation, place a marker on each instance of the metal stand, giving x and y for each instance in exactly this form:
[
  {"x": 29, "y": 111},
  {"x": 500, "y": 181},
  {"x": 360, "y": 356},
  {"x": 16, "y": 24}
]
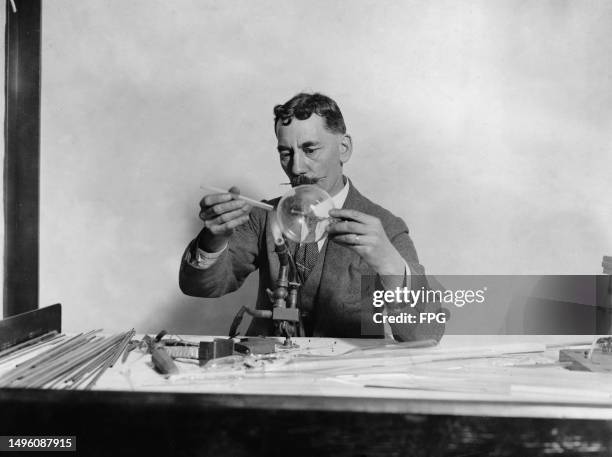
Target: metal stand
[{"x": 284, "y": 298}]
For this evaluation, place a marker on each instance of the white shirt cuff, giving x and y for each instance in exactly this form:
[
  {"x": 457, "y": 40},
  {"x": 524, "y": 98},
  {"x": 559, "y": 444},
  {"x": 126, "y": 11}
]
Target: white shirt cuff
[{"x": 203, "y": 260}]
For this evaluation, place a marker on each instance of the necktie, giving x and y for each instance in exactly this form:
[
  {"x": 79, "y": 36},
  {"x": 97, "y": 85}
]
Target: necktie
[{"x": 306, "y": 258}]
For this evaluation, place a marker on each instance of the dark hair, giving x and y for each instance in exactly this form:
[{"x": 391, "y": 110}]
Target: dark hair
[{"x": 303, "y": 105}]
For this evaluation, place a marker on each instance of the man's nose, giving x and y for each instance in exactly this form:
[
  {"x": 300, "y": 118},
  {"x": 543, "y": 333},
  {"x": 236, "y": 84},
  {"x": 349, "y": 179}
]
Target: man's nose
[{"x": 298, "y": 167}]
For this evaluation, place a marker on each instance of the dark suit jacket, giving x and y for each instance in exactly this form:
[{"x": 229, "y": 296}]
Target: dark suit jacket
[{"x": 332, "y": 294}]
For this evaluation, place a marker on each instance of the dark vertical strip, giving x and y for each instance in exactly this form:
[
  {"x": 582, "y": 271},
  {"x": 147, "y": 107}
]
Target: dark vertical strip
[{"x": 22, "y": 156}]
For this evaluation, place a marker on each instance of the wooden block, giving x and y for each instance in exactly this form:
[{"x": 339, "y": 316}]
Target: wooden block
[
  {"x": 220, "y": 347},
  {"x": 22, "y": 327}
]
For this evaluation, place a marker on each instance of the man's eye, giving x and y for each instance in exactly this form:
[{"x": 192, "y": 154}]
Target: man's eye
[{"x": 309, "y": 150}]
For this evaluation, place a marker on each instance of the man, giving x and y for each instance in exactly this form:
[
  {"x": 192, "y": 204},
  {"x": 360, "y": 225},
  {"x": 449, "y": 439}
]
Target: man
[{"x": 367, "y": 241}]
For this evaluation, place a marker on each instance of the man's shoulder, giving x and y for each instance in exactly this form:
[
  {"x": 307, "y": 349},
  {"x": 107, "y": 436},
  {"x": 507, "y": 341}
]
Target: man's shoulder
[
  {"x": 260, "y": 214},
  {"x": 390, "y": 221}
]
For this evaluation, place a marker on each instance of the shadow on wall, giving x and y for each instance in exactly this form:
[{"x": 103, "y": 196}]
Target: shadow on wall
[
  {"x": 203, "y": 316},
  {"x": 562, "y": 305},
  {"x": 535, "y": 304}
]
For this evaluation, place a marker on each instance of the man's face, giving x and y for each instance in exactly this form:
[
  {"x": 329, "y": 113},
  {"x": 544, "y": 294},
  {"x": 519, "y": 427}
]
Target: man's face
[{"x": 308, "y": 151}]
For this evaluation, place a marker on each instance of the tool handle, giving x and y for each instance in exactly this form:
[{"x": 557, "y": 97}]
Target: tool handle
[
  {"x": 160, "y": 357},
  {"x": 162, "y": 361}
]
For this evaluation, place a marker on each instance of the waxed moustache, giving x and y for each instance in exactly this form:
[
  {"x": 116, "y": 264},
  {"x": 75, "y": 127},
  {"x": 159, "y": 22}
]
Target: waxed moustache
[{"x": 302, "y": 179}]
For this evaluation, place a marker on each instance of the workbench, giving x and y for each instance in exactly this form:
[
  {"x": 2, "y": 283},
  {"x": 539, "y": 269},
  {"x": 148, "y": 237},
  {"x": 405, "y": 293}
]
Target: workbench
[{"x": 329, "y": 398}]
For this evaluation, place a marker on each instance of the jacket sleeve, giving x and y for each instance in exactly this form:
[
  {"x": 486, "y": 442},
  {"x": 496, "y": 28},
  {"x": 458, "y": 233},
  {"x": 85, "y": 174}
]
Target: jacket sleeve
[
  {"x": 239, "y": 259},
  {"x": 418, "y": 281}
]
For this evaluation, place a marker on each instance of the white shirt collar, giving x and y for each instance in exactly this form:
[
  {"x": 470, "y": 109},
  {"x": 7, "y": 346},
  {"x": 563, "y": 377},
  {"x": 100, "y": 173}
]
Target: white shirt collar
[
  {"x": 340, "y": 197},
  {"x": 338, "y": 200}
]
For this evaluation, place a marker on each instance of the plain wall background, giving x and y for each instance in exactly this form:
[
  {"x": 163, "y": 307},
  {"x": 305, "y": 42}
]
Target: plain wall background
[{"x": 486, "y": 125}]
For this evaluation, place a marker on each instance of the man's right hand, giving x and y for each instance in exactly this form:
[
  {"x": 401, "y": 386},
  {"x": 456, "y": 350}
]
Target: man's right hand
[{"x": 221, "y": 214}]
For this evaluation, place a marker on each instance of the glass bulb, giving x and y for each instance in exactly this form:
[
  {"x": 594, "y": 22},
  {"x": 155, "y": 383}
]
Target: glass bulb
[{"x": 303, "y": 213}]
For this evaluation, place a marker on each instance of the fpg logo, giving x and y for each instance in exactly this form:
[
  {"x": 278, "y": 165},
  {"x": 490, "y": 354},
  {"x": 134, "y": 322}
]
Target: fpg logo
[{"x": 428, "y": 318}]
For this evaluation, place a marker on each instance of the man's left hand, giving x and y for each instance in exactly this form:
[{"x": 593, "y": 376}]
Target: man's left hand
[{"x": 365, "y": 235}]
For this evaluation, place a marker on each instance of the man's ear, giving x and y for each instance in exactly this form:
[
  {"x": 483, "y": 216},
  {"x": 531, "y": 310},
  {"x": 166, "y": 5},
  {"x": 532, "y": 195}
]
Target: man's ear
[{"x": 346, "y": 148}]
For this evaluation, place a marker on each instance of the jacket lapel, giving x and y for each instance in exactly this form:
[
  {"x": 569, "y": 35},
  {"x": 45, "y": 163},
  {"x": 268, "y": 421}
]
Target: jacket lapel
[{"x": 337, "y": 261}]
